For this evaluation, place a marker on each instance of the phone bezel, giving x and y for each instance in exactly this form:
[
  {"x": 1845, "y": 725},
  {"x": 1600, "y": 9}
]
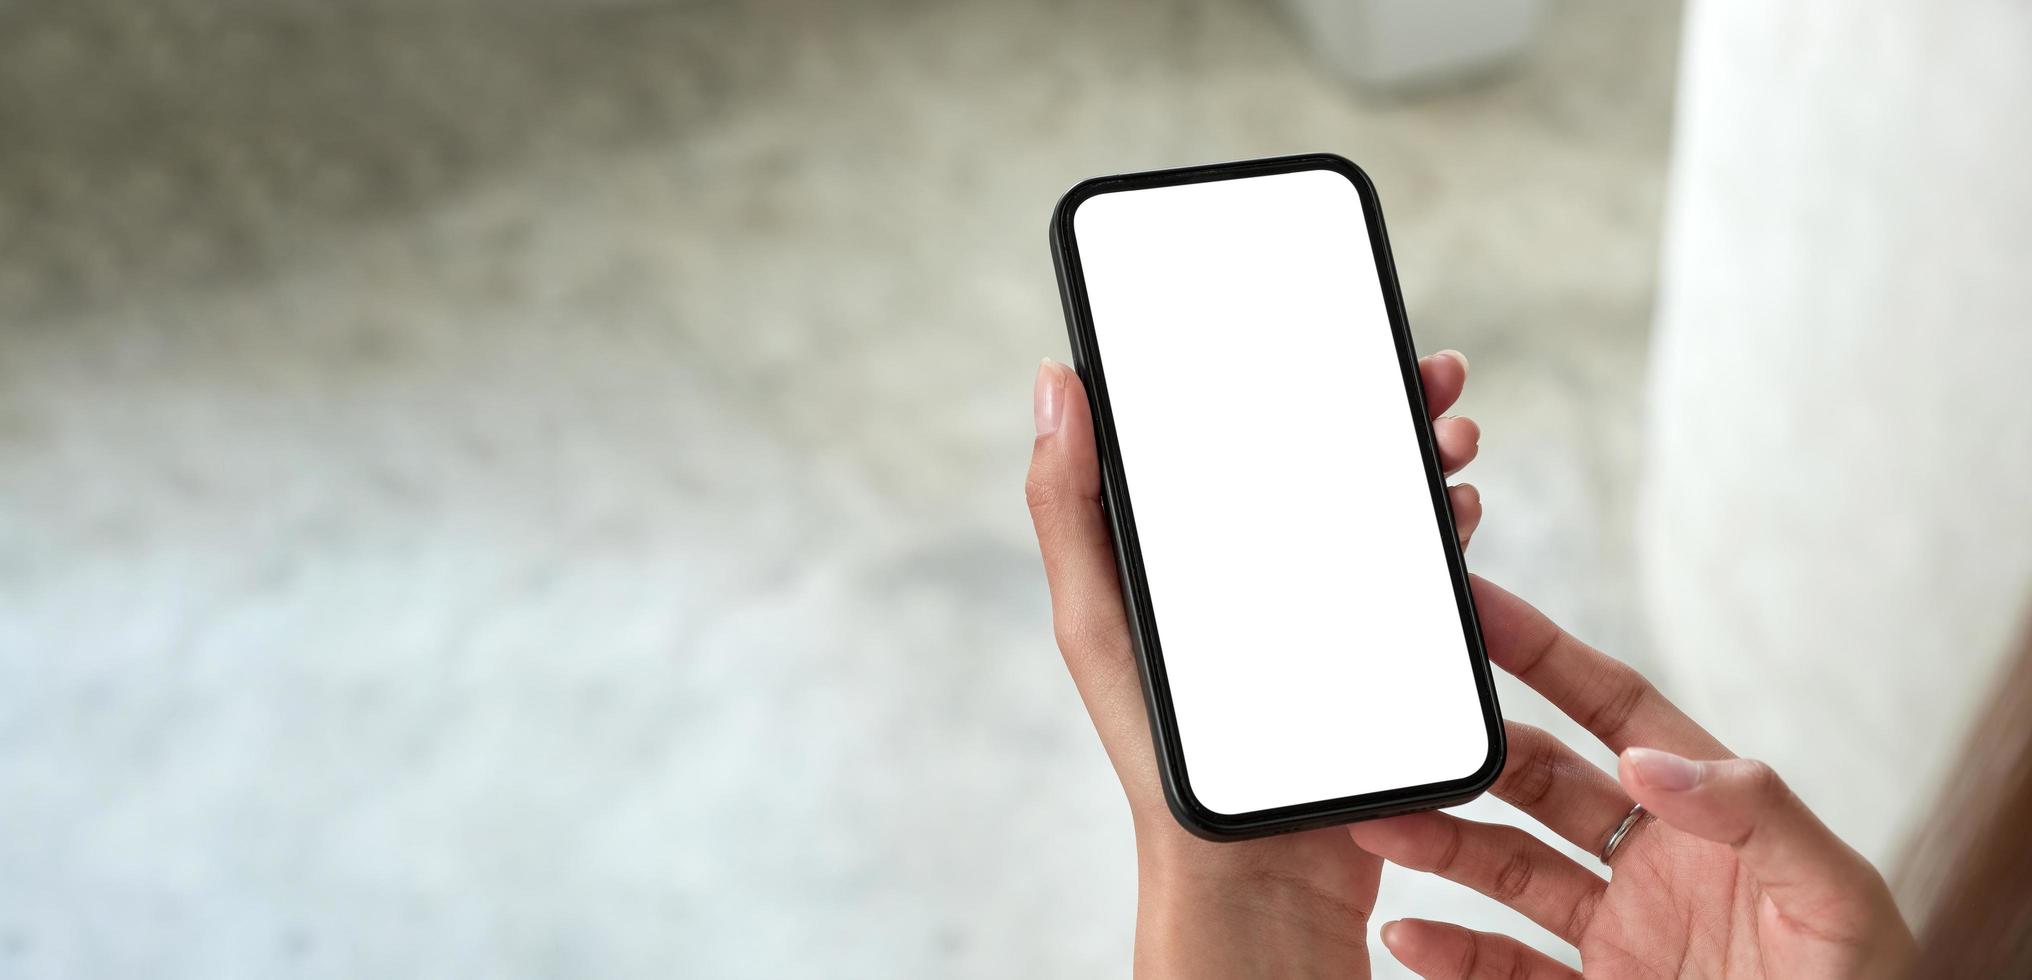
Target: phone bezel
[{"x": 1190, "y": 813}]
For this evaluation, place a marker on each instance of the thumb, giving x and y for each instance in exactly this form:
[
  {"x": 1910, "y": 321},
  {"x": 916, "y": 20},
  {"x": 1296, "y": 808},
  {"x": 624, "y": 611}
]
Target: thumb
[
  {"x": 1809, "y": 873},
  {"x": 1064, "y": 492}
]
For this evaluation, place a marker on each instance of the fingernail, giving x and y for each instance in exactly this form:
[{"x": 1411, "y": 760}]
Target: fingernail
[
  {"x": 1663, "y": 770},
  {"x": 1458, "y": 356},
  {"x": 1389, "y": 932},
  {"x": 1049, "y": 396}
]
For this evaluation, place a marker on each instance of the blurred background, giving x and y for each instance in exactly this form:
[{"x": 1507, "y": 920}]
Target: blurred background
[{"x": 535, "y": 489}]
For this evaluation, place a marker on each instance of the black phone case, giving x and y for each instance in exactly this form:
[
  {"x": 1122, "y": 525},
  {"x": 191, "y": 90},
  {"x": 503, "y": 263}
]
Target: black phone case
[{"x": 1128, "y": 555}]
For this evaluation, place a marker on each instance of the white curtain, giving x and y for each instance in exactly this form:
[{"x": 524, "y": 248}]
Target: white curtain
[{"x": 1837, "y": 519}]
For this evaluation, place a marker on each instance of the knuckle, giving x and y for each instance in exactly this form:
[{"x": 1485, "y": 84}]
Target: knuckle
[
  {"x": 1055, "y": 496},
  {"x": 1582, "y": 915},
  {"x": 1093, "y": 630},
  {"x": 1765, "y": 785},
  {"x": 1069, "y": 634},
  {"x": 1075, "y": 633},
  {"x": 1529, "y": 780},
  {"x": 1486, "y": 959},
  {"x": 1766, "y": 794},
  {"x": 1622, "y": 692},
  {"x": 1543, "y": 649},
  {"x": 1039, "y": 493},
  {"x": 1514, "y": 878},
  {"x": 1450, "y": 845},
  {"x": 1471, "y": 958}
]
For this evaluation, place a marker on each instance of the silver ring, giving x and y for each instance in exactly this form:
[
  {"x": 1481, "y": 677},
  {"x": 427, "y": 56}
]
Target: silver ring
[{"x": 1622, "y": 831}]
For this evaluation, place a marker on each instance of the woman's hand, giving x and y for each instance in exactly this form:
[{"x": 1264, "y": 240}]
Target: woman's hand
[
  {"x": 1292, "y": 905},
  {"x": 1729, "y": 875}
]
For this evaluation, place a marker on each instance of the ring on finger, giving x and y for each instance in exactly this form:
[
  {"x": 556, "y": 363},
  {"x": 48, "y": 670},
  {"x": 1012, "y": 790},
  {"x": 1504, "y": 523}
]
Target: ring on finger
[{"x": 1622, "y": 833}]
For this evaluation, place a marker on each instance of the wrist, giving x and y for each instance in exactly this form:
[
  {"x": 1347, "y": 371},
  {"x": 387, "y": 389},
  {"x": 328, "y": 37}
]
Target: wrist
[
  {"x": 1244, "y": 909},
  {"x": 1246, "y": 927}
]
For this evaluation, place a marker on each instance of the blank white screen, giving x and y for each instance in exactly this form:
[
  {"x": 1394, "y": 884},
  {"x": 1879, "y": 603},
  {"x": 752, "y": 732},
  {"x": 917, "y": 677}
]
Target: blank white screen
[{"x": 1307, "y": 620}]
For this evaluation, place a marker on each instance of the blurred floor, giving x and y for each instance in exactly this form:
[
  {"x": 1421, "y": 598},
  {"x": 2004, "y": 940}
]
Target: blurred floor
[{"x": 538, "y": 492}]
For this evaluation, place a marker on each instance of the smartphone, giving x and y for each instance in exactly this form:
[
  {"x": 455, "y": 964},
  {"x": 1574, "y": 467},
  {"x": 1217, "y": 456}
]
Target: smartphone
[{"x": 1295, "y": 590}]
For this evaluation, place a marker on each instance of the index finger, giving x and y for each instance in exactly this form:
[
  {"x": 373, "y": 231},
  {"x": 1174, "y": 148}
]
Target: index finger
[{"x": 1606, "y": 696}]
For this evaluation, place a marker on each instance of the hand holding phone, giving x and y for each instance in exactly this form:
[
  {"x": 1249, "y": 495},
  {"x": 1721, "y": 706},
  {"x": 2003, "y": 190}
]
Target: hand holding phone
[
  {"x": 1289, "y": 904},
  {"x": 1728, "y": 839},
  {"x": 1300, "y": 903}
]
